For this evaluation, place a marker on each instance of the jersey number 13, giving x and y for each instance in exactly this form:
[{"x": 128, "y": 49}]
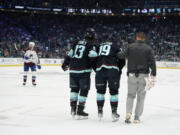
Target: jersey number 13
[{"x": 79, "y": 50}]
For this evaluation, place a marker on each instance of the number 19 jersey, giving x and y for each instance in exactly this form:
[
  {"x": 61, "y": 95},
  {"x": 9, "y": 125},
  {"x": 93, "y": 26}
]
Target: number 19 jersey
[
  {"x": 81, "y": 55},
  {"x": 107, "y": 56}
]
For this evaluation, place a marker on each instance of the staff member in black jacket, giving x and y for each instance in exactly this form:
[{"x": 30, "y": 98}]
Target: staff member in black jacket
[{"x": 140, "y": 60}]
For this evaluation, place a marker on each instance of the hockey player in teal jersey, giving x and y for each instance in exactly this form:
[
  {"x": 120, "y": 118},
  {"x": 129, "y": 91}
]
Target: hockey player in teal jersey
[{"x": 79, "y": 61}]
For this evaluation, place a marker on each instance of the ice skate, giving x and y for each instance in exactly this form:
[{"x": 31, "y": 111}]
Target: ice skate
[
  {"x": 81, "y": 114},
  {"x": 100, "y": 113},
  {"x": 34, "y": 84},
  {"x": 73, "y": 111},
  {"x": 115, "y": 117},
  {"x": 24, "y": 83},
  {"x": 128, "y": 118}
]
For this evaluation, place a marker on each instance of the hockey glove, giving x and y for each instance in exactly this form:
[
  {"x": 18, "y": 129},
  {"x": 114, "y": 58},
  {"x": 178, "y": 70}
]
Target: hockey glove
[
  {"x": 65, "y": 67},
  {"x": 39, "y": 66},
  {"x": 26, "y": 57}
]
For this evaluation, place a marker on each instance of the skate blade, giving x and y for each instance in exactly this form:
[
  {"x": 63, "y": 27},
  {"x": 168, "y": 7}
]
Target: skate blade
[
  {"x": 115, "y": 119},
  {"x": 81, "y": 117},
  {"x": 73, "y": 116}
]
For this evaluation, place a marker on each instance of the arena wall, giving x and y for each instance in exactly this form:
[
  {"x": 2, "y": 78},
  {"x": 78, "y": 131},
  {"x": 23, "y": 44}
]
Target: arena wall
[{"x": 8, "y": 62}]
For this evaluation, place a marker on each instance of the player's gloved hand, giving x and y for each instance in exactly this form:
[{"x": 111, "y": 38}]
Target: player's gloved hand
[
  {"x": 65, "y": 67},
  {"x": 26, "y": 57},
  {"x": 39, "y": 66}
]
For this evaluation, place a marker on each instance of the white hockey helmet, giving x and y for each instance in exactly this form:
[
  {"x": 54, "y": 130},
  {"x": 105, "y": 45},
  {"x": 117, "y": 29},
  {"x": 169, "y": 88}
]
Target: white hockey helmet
[{"x": 31, "y": 44}]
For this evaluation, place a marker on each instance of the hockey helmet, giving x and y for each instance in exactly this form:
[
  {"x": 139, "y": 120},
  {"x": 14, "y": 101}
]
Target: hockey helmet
[{"x": 90, "y": 34}]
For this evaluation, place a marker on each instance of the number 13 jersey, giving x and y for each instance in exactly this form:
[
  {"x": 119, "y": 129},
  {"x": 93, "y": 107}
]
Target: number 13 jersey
[{"x": 82, "y": 54}]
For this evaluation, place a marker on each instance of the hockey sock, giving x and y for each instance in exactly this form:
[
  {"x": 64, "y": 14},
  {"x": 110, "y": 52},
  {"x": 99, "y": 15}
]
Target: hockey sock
[
  {"x": 73, "y": 98},
  {"x": 25, "y": 78},
  {"x": 82, "y": 100},
  {"x": 114, "y": 102},
  {"x": 100, "y": 100}
]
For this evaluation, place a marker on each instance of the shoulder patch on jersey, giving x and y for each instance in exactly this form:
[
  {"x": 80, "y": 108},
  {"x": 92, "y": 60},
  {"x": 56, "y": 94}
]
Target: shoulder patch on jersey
[
  {"x": 92, "y": 53},
  {"x": 70, "y": 54}
]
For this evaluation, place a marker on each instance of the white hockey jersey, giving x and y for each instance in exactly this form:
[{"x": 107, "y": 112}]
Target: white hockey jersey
[{"x": 30, "y": 56}]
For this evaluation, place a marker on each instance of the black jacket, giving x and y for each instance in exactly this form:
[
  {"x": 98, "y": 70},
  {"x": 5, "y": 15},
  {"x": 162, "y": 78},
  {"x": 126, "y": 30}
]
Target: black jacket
[{"x": 140, "y": 58}]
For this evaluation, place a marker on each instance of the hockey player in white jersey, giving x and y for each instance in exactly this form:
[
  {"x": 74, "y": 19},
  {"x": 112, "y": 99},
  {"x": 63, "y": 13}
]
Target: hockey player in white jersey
[{"x": 31, "y": 60}]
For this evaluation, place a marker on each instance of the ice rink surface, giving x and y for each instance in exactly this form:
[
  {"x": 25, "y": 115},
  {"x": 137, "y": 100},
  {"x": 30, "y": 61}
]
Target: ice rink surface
[{"x": 44, "y": 109}]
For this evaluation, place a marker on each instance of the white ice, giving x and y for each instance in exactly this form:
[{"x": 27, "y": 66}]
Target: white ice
[{"x": 45, "y": 110}]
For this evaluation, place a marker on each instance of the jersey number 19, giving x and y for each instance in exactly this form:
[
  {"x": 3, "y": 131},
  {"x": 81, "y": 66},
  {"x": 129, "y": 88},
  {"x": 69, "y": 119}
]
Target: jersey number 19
[{"x": 104, "y": 50}]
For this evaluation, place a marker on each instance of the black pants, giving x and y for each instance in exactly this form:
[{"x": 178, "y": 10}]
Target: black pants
[
  {"x": 80, "y": 82},
  {"x": 110, "y": 77}
]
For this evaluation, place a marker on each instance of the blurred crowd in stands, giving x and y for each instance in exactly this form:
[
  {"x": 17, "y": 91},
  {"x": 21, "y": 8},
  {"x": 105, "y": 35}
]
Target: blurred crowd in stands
[
  {"x": 109, "y": 4},
  {"x": 54, "y": 34},
  {"x": 113, "y": 4}
]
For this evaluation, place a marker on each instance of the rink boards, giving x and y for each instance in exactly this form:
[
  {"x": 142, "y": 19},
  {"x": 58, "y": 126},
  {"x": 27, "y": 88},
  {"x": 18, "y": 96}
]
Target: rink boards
[{"x": 8, "y": 62}]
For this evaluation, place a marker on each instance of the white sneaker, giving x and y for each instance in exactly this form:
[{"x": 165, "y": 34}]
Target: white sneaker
[
  {"x": 136, "y": 120},
  {"x": 128, "y": 118}
]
